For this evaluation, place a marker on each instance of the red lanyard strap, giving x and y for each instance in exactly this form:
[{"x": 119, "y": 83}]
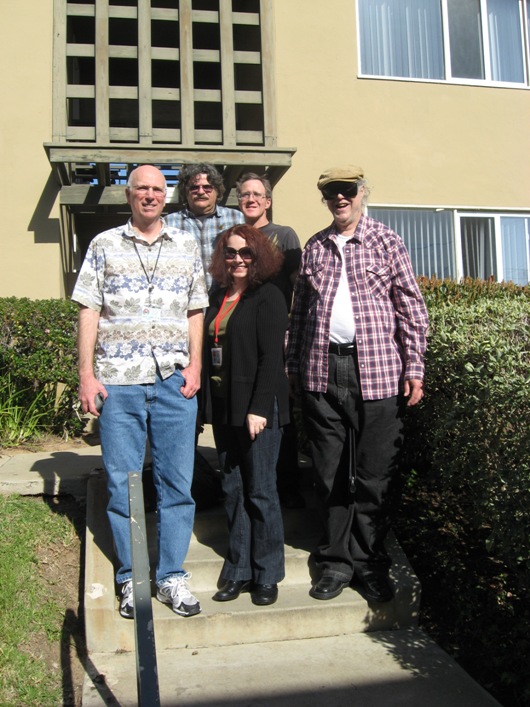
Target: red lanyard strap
[{"x": 221, "y": 315}]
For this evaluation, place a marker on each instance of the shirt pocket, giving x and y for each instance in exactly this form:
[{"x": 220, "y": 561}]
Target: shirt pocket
[
  {"x": 378, "y": 280},
  {"x": 314, "y": 275}
]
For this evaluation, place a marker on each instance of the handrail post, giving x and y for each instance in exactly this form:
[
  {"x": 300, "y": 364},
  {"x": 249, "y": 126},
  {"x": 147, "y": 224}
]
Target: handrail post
[{"x": 144, "y": 628}]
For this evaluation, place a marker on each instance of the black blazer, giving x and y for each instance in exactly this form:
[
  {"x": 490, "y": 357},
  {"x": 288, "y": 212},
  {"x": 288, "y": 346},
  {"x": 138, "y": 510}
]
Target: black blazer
[{"x": 255, "y": 338}]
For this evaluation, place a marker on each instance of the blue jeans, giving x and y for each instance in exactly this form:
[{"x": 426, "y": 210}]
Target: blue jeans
[
  {"x": 159, "y": 411},
  {"x": 256, "y": 544}
]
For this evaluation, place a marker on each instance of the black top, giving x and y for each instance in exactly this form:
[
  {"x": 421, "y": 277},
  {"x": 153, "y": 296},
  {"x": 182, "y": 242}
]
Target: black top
[
  {"x": 286, "y": 240},
  {"x": 254, "y": 354}
]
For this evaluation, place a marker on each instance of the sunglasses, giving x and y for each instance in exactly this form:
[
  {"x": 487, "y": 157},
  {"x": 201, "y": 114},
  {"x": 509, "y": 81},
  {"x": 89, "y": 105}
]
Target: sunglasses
[
  {"x": 347, "y": 189},
  {"x": 245, "y": 253},
  {"x": 195, "y": 188}
]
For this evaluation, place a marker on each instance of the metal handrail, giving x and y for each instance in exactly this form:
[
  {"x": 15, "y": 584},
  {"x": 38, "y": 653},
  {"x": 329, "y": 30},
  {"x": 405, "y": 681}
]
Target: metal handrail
[{"x": 144, "y": 627}]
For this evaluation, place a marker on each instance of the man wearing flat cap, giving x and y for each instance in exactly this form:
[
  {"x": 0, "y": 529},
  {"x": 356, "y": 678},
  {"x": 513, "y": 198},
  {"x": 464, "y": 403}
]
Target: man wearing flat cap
[{"x": 355, "y": 355}]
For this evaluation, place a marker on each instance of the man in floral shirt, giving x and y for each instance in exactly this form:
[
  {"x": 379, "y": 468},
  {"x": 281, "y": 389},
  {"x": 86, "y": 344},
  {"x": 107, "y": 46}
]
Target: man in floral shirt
[{"x": 142, "y": 292}]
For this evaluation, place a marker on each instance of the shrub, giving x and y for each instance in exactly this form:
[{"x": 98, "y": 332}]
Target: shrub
[
  {"x": 465, "y": 519},
  {"x": 472, "y": 428},
  {"x": 38, "y": 357}
]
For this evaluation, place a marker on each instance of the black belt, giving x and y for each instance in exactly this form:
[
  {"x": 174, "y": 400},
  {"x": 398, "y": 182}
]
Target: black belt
[{"x": 342, "y": 349}]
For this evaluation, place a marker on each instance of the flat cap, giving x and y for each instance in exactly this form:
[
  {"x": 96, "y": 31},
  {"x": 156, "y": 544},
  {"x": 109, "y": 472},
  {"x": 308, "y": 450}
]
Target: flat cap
[{"x": 340, "y": 174}]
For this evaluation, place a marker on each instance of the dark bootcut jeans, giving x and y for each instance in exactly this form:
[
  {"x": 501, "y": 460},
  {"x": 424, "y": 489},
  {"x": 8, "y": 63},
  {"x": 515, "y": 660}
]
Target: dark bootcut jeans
[
  {"x": 355, "y": 524},
  {"x": 256, "y": 542}
]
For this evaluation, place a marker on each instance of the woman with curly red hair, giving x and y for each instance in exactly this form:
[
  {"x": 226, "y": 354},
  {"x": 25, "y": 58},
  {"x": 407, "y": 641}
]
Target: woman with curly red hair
[{"x": 246, "y": 398}]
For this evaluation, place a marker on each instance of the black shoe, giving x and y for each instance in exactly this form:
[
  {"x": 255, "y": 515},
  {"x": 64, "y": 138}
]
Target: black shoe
[
  {"x": 231, "y": 590},
  {"x": 264, "y": 594},
  {"x": 327, "y": 587},
  {"x": 375, "y": 585}
]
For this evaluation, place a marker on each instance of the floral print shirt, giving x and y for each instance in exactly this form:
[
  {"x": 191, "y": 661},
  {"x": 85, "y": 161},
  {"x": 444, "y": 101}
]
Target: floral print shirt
[{"x": 143, "y": 293}]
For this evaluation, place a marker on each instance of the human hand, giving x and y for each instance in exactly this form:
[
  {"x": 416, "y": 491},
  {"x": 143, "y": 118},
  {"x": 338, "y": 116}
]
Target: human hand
[
  {"x": 192, "y": 381},
  {"x": 89, "y": 389},
  {"x": 413, "y": 390},
  {"x": 255, "y": 425}
]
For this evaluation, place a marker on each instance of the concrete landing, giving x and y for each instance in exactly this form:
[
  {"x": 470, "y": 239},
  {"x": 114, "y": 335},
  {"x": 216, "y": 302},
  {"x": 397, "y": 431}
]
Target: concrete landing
[{"x": 382, "y": 669}]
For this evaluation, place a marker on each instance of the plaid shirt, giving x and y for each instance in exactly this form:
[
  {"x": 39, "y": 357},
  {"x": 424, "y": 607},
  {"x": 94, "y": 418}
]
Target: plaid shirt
[
  {"x": 390, "y": 315},
  {"x": 206, "y": 230}
]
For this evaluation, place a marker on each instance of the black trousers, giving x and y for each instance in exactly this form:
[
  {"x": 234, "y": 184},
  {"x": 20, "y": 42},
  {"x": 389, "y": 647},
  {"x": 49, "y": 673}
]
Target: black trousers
[{"x": 355, "y": 523}]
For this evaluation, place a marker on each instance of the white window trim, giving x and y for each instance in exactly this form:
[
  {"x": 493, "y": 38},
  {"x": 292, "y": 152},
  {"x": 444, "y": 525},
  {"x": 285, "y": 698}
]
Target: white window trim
[
  {"x": 467, "y": 211},
  {"x": 487, "y": 82}
]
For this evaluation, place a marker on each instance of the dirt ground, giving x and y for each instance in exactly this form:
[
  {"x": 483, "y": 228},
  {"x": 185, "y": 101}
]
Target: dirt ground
[{"x": 50, "y": 443}]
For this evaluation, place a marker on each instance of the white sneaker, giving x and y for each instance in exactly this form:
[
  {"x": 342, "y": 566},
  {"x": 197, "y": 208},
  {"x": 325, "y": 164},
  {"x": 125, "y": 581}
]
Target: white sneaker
[
  {"x": 175, "y": 591},
  {"x": 126, "y": 601}
]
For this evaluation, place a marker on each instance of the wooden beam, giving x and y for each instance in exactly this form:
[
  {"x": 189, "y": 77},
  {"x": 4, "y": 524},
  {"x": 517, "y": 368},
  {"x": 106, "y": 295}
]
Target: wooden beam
[
  {"x": 268, "y": 73},
  {"x": 227, "y": 72},
  {"x": 59, "y": 100},
  {"x": 187, "y": 108},
  {"x": 145, "y": 101},
  {"x": 102, "y": 71},
  {"x": 169, "y": 154}
]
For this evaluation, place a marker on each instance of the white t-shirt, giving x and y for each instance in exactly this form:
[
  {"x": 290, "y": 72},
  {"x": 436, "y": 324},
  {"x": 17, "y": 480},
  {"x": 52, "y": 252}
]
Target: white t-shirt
[{"x": 342, "y": 327}]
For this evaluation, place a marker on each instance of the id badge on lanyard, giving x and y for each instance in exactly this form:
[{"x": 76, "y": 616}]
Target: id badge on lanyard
[
  {"x": 152, "y": 314},
  {"x": 217, "y": 356}
]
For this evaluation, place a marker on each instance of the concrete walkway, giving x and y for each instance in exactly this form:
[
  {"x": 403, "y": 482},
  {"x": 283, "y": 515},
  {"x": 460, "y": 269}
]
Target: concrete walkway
[{"x": 355, "y": 665}]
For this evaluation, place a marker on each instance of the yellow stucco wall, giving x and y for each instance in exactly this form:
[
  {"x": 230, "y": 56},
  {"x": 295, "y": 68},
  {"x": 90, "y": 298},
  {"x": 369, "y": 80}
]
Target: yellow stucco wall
[
  {"x": 419, "y": 143},
  {"x": 30, "y": 262}
]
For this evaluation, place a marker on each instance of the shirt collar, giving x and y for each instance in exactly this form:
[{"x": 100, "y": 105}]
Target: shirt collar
[
  {"x": 129, "y": 231},
  {"x": 358, "y": 235},
  {"x": 189, "y": 214}
]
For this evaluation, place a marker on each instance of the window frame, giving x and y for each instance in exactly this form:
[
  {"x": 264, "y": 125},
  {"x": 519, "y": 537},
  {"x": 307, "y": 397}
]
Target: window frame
[
  {"x": 524, "y": 26},
  {"x": 457, "y": 214}
]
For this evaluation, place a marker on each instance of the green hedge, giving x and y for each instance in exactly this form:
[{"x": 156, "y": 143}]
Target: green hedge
[
  {"x": 471, "y": 433},
  {"x": 465, "y": 516},
  {"x": 38, "y": 360}
]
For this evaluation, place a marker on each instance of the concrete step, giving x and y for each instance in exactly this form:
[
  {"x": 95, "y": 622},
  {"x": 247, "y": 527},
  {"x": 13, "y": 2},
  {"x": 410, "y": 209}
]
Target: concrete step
[
  {"x": 378, "y": 669},
  {"x": 295, "y": 615}
]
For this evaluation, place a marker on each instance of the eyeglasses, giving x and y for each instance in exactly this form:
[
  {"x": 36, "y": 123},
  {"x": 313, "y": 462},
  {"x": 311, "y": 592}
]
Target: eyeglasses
[
  {"x": 251, "y": 195},
  {"x": 143, "y": 190},
  {"x": 347, "y": 189},
  {"x": 195, "y": 188},
  {"x": 246, "y": 253}
]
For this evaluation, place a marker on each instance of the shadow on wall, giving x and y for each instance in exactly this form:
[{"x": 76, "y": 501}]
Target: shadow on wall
[{"x": 46, "y": 228}]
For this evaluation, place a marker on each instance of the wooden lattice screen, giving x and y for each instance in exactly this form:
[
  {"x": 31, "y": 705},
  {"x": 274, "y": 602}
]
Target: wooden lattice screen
[{"x": 172, "y": 72}]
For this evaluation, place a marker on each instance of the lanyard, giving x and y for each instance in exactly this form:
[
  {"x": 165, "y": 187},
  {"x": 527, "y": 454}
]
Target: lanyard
[
  {"x": 149, "y": 279},
  {"x": 221, "y": 315}
]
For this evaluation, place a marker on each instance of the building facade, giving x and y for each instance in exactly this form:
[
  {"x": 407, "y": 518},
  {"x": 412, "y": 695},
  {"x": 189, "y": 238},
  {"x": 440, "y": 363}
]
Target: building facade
[{"x": 431, "y": 97}]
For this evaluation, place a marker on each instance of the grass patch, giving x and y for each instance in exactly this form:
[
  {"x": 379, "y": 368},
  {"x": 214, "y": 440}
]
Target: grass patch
[{"x": 33, "y": 537}]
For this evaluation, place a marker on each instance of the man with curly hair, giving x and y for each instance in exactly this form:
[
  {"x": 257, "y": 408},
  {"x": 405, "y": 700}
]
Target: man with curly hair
[{"x": 201, "y": 188}]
